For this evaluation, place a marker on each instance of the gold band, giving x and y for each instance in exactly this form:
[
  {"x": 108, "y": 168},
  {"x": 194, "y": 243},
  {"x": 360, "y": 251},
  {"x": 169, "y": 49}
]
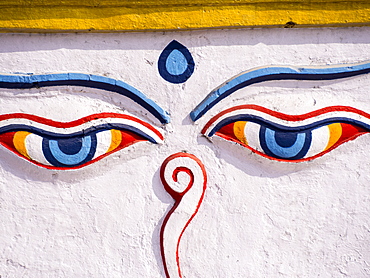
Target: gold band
[{"x": 150, "y": 15}]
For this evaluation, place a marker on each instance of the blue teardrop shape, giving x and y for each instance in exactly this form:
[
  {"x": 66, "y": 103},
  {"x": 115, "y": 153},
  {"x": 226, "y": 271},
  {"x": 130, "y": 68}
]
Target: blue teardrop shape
[{"x": 175, "y": 64}]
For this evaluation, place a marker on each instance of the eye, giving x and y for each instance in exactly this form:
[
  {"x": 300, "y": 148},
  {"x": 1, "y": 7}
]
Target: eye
[
  {"x": 288, "y": 138},
  {"x": 56, "y": 145},
  {"x": 289, "y": 145},
  {"x": 71, "y": 152}
]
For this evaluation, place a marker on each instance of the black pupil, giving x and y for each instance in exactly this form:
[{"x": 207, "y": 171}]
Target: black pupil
[
  {"x": 70, "y": 145},
  {"x": 285, "y": 139}
]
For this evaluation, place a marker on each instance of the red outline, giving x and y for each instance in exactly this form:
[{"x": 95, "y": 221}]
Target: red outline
[
  {"x": 77, "y": 123},
  {"x": 122, "y": 146},
  {"x": 177, "y": 196},
  {"x": 291, "y": 118}
]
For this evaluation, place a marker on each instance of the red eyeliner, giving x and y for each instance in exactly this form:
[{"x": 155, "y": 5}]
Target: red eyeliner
[
  {"x": 282, "y": 116},
  {"x": 78, "y": 122}
]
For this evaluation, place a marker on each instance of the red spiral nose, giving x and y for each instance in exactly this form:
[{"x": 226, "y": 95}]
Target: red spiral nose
[{"x": 188, "y": 196}]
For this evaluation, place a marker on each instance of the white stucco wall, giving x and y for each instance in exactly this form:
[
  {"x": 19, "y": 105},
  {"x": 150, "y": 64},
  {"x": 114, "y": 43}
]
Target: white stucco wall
[{"x": 259, "y": 217}]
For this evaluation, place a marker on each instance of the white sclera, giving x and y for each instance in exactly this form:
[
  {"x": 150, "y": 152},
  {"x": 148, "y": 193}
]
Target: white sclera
[
  {"x": 251, "y": 132},
  {"x": 320, "y": 138},
  {"x": 34, "y": 149},
  {"x": 319, "y": 141},
  {"x": 35, "y": 152},
  {"x": 104, "y": 140}
]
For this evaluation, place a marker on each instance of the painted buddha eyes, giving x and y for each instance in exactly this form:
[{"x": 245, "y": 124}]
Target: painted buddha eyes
[
  {"x": 274, "y": 135},
  {"x": 289, "y": 138},
  {"x": 278, "y": 136},
  {"x": 289, "y": 145},
  {"x": 72, "y": 145},
  {"x": 70, "y": 152}
]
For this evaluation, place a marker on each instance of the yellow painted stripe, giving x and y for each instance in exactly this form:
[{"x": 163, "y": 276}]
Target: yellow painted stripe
[
  {"x": 144, "y": 15},
  {"x": 239, "y": 128},
  {"x": 335, "y": 131},
  {"x": 116, "y": 139},
  {"x": 150, "y": 3},
  {"x": 19, "y": 141}
]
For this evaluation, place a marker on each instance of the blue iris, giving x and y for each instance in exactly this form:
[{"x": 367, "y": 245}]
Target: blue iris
[
  {"x": 69, "y": 152},
  {"x": 285, "y": 144}
]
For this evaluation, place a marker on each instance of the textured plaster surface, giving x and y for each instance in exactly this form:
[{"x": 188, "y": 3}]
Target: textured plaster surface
[{"x": 259, "y": 218}]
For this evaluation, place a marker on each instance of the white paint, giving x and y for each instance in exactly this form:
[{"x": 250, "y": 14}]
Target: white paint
[
  {"x": 320, "y": 140},
  {"x": 104, "y": 140},
  {"x": 259, "y": 218},
  {"x": 33, "y": 144},
  {"x": 83, "y": 126},
  {"x": 252, "y": 132},
  {"x": 185, "y": 210}
]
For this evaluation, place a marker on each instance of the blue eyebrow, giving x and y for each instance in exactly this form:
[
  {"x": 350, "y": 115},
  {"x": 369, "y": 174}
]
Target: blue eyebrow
[
  {"x": 27, "y": 81},
  {"x": 275, "y": 73}
]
